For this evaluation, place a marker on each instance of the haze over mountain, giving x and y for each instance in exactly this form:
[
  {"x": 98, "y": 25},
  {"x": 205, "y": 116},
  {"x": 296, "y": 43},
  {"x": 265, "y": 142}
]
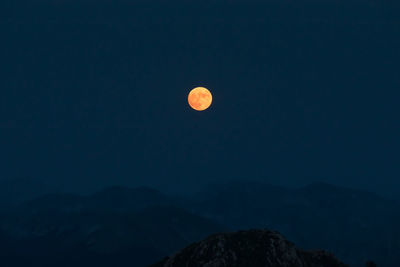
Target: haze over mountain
[
  {"x": 140, "y": 225},
  {"x": 16, "y": 191},
  {"x": 70, "y": 230},
  {"x": 316, "y": 216}
]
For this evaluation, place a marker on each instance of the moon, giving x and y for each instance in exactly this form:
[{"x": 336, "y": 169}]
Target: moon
[{"x": 200, "y": 98}]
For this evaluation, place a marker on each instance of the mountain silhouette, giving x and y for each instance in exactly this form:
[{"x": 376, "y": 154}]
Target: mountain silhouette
[
  {"x": 122, "y": 226},
  {"x": 255, "y": 248},
  {"x": 136, "y": 226},
  {"x": 113, "y": 199},
  {"x": 16, "y": 191},
  {"x": 316, "y": 216}
]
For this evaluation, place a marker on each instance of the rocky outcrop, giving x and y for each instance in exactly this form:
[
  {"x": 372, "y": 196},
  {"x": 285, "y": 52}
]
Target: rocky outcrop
[{"x": 255, "y": 248}]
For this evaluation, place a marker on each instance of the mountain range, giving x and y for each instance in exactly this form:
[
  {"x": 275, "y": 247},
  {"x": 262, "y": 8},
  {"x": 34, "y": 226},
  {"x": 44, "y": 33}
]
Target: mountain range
[{"x": 138, "y": 226}]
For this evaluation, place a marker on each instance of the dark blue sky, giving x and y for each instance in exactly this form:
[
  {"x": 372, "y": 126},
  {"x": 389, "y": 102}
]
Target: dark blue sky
[{"x": 93, "y": 94}]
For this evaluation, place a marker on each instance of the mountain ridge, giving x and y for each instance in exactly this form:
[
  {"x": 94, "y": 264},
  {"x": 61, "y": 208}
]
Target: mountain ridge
[{"x": 157, "y": 224}]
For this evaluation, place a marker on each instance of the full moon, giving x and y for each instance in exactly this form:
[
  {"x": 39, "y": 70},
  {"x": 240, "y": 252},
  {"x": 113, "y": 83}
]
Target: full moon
[{"x": 200, "y": 98}]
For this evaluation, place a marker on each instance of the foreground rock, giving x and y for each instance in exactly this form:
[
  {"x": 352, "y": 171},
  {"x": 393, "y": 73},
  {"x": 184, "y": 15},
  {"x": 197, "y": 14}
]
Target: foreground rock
[{"x": 255, "y": 248}]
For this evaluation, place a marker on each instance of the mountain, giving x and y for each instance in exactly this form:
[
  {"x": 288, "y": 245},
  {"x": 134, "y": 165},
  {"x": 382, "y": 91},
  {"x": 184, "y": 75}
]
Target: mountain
[
  {"x": 16, "y": 191},
  {"x": 120, "y": 199},
  {"x": 118, "y": 226},
  {"x": 255, "y": 248},
  {"x": 136, "y": 226},
  {"x": 113, "y": 199},
  {"x": 353, "y": 224}
]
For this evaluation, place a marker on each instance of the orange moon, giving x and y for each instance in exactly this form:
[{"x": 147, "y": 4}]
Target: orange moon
[{"x": 200, "y": 98}]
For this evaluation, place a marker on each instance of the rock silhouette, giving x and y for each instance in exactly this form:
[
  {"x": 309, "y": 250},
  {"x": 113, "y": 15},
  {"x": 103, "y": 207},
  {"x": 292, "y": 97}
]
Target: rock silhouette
[{"x": 256, "y": 248}]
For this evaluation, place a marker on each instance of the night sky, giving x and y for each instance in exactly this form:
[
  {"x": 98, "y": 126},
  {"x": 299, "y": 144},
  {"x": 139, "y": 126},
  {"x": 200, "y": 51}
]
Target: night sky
[{"x": 94, "y": 93}]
